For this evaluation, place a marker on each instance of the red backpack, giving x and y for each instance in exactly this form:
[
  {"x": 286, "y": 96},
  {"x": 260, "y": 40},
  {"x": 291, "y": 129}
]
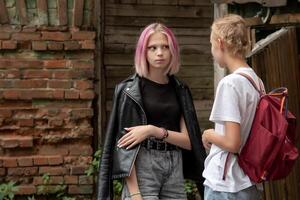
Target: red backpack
[{"x": 270, "y": 151}]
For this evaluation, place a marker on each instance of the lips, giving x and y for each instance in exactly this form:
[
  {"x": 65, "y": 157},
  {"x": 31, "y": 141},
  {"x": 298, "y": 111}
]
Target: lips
[{"x": 160, "y": 60}]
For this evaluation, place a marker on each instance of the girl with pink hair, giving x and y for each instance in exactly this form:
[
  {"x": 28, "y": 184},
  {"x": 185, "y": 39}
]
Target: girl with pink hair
[{"x": 153, "y": 139}]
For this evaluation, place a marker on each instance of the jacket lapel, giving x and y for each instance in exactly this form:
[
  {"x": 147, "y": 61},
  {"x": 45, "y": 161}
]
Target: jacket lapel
[{"x": 133, "y": 89}]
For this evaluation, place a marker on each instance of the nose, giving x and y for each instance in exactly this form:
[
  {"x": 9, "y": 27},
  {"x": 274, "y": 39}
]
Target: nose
[{"x": 159, "y": 51}]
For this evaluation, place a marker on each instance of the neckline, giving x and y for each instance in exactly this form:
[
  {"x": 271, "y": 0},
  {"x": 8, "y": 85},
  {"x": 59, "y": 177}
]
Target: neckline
[{"x": 155, "y": 83}]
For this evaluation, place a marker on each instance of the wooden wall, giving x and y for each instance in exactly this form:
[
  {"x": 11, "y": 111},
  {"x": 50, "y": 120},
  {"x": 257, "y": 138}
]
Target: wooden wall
[
  {"x": 189, "y": 19},
  {"x": 277, "y": 65}
]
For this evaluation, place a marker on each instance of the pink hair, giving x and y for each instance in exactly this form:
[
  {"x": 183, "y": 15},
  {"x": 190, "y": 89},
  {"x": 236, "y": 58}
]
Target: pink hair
[{"x": 140, "y": 60}]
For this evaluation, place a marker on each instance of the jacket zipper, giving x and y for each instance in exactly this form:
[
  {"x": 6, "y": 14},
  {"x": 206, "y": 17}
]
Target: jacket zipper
[{"x": 144, "y": 122}]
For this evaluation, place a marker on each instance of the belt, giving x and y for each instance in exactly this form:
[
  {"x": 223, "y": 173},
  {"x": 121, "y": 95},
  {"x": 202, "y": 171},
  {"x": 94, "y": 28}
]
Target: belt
[{"x": 158, "y": 145}]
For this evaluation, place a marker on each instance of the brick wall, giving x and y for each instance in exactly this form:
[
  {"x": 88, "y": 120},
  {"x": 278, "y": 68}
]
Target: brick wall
[{"x": 46, "y": 93}]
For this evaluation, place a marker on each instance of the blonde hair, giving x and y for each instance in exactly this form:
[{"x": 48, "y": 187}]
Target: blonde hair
[{"x": 232, "y": 30}]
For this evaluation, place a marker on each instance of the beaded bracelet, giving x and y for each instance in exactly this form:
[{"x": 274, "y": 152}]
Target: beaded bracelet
[{"x": 165, "y": 132}]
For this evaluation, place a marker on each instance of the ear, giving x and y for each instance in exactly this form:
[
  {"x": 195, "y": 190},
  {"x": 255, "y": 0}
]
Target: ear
[{"x": 221, "y": 44}]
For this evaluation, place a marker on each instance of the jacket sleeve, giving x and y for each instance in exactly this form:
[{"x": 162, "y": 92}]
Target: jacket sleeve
[
  {"x": 105, "y": 183},
  {"x": 197, "y": 157}
]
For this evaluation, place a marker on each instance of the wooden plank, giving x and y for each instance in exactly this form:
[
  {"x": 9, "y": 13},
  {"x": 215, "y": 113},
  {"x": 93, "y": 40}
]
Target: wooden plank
[
  {"x": 78, "y": 12},
  {"x": 155, "y": 10},
  {"x": 128, "y": 39},
  {"x": 62, "y": 12},
  {"x": 3, "y": 13},
  {"x": 42, "y": 10},
  {"x": 185, "y": 71},
  {"x": 170, "y": 22},
  {"x": 127, "y": 59},
  {"x": 123, "y": 30},
  {"x": 21, "y": 10}
]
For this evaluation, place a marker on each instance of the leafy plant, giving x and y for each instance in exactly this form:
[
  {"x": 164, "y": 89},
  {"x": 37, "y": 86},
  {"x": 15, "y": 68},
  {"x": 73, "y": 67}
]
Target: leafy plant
[
  {"x": 8, "y": 190},
  {"x": 191, "y": 189},
  {"x": 94, "y": 166}
]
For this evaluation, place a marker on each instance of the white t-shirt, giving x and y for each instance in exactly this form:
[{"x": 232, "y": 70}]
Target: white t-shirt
[{"x": 235, "y": 101}]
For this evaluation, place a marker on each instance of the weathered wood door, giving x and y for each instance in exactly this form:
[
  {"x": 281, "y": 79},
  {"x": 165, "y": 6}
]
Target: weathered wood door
[{"x": 277, "y": 63}]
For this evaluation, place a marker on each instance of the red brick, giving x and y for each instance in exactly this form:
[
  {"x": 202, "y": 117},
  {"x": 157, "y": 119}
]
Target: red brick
[
  {"x": 53, "y": 64},
  {"x": 86, "y": 180},
  {"x": 82, "y": 189},
  {"x": 39, "y": 45},
  {"x": 9, "y": 44},
  {"x": 26, "y": 122},
  {"x": 10, "y": 74},
  {"x": 22, "y": 171},
  {"x": 81, "y": 113},
  {"x": 26, "y": 141},
  {"x": 79, "y": 64},
  {"x": 9, "y": 142},
  {"x": 53, "y": 150},
  {"x": 77, "y": 170},
  {"x": 56, "y": 36},
  {"x": 83, "y": 35},
  {"x": 37, "y": 180},
  {"x": 11, "y": 94},
  {"x": 55, "y": 160},
  {"x": 2, "y": 171},
  {"x": 88, "y": 44},
  {"x": 83, "y": 84},
  {"x": 40, "y": 160},
  {"x": 80, "y": 150},
  {"x": 90, "y": 94},
  {"x": 20, "y": 63},
  {"x": 6, "y": 84},
  {"x": 4, "y": 36},
  {"x": 29, "y": 29},
  {"x": 55, "y": 46},
  {"x": 25, "y": 161},
  {"x": 53, "y": 170},
  {"x": 71, "y": 45},
  {"x": 10, "y": 162},
  {"x": 71, "y": 94},
  {"x": 71, "y": 179},
  {"x": 58, "y": 94},
  {"x": 26, "y": 36},
  {"x": 36, "y": 74},
  {"x": 26, "y": 190},
  {"x": 5, "y": 112},
  {"x": 36, "y": 94},
  {"x": 24, "y": 44},
  {"x": 62, "y": 74},
  {"x": 55, "y": 122},
  {"x": 30, "y": 84},
  {"x": 89, "y": 73},
  {"x": 60, "y": 84}
]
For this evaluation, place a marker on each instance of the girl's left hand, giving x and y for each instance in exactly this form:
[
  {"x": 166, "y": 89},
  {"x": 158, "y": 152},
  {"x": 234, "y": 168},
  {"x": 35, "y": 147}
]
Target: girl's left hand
[
  {"x": 205, "y": 141},
  {"x": 135, "y": 135}
]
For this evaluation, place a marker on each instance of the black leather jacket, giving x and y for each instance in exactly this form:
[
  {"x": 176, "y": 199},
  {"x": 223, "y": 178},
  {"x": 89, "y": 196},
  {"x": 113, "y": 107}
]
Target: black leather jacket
[{"x": 127, "y": 111}]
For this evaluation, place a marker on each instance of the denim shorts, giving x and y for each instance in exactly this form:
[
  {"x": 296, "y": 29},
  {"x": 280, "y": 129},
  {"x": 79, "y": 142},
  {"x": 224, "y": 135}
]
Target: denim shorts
[
  {"x": 250, "y": 193},
  {"x": 159, "y": 175}
]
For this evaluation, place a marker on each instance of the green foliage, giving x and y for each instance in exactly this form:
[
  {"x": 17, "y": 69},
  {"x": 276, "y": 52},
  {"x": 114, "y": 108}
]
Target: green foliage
[
  {"x": 58, "y": 191},
  {"x": 94, "y": 166},
  {"x": 191, "y": 189},
  {"x": 8, "y": 190}
]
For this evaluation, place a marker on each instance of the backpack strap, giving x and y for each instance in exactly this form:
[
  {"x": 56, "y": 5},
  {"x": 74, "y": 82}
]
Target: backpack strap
[{"x": 259, "y": 90}]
